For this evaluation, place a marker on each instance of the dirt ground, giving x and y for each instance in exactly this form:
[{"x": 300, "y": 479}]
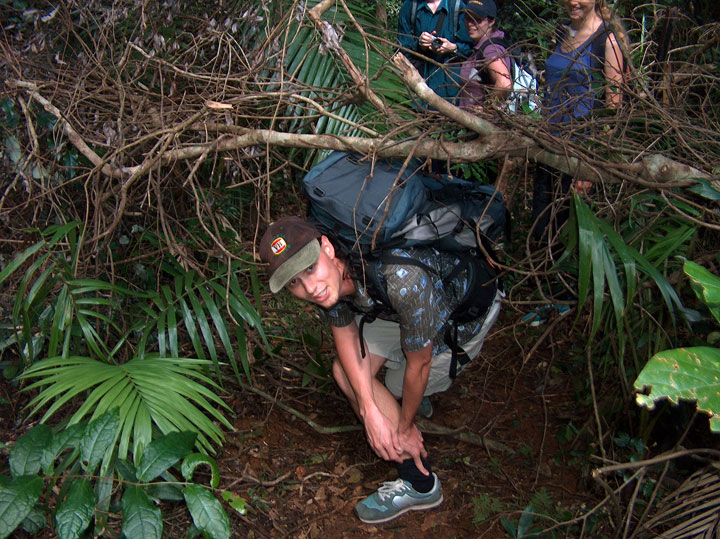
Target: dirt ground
[
  {"x": 299, "y": 459},
  {"x": 300, "y": 482}
]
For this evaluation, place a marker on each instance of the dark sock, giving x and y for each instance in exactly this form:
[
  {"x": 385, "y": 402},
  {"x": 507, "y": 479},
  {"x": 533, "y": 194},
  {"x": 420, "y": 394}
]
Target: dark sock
[{"x": 409, "y": 472}]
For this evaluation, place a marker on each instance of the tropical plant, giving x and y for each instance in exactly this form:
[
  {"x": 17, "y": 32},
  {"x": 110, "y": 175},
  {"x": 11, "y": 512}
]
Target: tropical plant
[
  {"x": 116, "y": 347},
  {"x": 43, "y": 461},
  {"x": 692, "y": 373},
  {"x": 621, "y": 271}
]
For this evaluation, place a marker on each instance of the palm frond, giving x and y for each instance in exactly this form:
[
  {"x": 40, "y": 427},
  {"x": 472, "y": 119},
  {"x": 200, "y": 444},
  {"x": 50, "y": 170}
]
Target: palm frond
[
  {"x": 692, "y": 510},
  {"x": 168, "y": 394}
]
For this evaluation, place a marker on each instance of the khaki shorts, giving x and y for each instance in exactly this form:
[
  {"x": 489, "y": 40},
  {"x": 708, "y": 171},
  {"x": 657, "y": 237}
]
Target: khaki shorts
[{"x": 383, "y": 339}]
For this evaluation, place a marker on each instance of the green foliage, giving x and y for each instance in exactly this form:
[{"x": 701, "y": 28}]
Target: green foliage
[
  {"x": 308, "y": 62},
  {"x": 688, "y": 373},
  {"x": 120, "y": 348},
  {"x": 521, "y": 527},
  {"x": 484, "y": 507},
  {"x": 65, "y": 157},
  {"x": 82, "y": 490},
  {"x": 621, "y": 269}
]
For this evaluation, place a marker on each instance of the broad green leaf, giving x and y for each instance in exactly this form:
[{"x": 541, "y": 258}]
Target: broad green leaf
[
  {"x": 73, "y": 515},
  {"x": 706, "y": 286},
  {"x": 17, "y": 499},
  {"x": 98, "y": 440},
  {"x": 165, "y": 491},
  {"x": 194, "y": 460},
  {"x": 237, "y": 503},
  {"x": 207, "y": 512},
  {"x": 35, "y": 521},
  {"x": 684, "y": 373},
  {"x": 104, "y": 488},
  {"x": 140, "y": 517},
  {"x": 70, "y": 437},
  {"x": 164, "y": 452},
  {"x": 27, "y": 454},
  {"x": 705, "y": 189},
  {"x": 126, "y": 470},
  {"x": 525, "y": 521}
]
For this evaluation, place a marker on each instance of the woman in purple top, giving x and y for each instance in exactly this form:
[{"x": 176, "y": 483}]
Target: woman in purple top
[{"x": 487, "y": 70}]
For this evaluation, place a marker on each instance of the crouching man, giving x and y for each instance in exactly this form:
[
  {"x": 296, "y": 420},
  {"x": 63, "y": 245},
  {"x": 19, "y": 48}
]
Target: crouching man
[{"x": 411, "y": 344}]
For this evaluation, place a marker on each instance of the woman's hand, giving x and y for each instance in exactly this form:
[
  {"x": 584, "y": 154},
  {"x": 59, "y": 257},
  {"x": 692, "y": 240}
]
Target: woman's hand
[{"x": 582, "y": 187}]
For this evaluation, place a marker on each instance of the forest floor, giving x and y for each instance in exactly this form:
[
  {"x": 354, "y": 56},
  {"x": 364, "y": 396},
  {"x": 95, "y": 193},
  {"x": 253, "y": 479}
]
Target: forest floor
[
  {"x": 494, "y": 441},
  {"x": 301, "y": 480}
]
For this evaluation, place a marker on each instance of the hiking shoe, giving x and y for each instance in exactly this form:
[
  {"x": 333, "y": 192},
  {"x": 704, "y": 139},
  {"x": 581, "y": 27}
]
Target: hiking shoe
[
  {"x": 541, "y": 315},
  {"x": 395, "y": 498},
  {"x": 425, "y": 409}
]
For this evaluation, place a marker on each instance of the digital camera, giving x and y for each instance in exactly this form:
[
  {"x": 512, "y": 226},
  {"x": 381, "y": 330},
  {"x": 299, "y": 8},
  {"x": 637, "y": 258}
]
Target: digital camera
[{"x": 436, "y": 43}]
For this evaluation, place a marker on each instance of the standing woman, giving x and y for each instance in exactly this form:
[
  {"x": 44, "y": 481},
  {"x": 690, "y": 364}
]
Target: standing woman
[
  {"x": 584, "y": 73},
  {"x": 587, "y": 53},
  {"x": 487, "y": 70}
]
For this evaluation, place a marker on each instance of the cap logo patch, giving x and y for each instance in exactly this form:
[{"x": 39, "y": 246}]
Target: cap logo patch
[{"x": 278, "y": 246}]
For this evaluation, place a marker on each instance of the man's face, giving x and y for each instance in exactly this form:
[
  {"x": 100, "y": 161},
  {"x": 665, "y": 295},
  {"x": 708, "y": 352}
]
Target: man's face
[{"x": 320, "y": 283}]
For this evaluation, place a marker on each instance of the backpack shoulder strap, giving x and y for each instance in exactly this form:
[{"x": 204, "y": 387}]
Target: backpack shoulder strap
[
  {"x": 597, "y": 47},
  {"x": 456, "y": 17},
  {"x": 413, "y": 14},
  {"x": 494, "y": 41}
]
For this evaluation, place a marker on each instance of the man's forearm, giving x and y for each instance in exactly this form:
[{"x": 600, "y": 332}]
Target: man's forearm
[{"x": 417, "y": 372}]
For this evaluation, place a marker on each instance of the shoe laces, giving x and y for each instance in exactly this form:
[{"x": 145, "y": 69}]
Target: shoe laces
[{"x": 391, "y": 488}]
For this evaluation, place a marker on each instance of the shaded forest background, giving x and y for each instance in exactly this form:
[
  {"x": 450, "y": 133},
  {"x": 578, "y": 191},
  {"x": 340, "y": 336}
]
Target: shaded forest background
[{"x": 145, "y": 145}]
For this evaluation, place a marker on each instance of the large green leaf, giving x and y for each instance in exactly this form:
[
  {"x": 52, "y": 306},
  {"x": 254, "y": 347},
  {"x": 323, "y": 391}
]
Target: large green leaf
[
  {"x": 207, "y": 512},
  {"x": 706, "y": 286},
  {"x": 17, "y": 498},
  {"x": 140, "y": 517},
  {"x": 73, "y": 515},
  {"x": 196, "y": 459},
  {"x": 69, "y": 437},
  {"x": 684, "y": 373},
  {"x": 99, "y": 439},
  {"x": 27, "y": 455},
  {"x": 162, "y": 453}
]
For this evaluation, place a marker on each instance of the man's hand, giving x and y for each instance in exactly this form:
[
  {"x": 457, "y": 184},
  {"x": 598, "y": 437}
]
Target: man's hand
[
  {"x": 382, "y": 436},
  {"x": 411, "y": 441},
  {"x": 426, "y": 39}
]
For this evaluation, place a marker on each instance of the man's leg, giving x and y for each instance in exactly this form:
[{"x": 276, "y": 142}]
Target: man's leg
[{"x": 413, "y": 490}]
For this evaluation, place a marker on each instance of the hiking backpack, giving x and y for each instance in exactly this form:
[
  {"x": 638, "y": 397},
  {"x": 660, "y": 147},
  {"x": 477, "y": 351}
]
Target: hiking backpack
[
  {"x": 524, "y": 94},
  {"x": 368, "y": 210}
]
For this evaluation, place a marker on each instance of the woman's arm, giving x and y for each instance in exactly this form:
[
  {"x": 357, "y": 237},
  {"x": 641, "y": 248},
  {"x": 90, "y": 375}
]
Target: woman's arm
[
  {"x": 500, "y": 75},
  {"x": 613, "y": 72}
]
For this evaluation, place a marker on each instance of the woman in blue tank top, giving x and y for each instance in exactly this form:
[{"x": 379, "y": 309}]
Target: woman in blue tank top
[{"x": 578, "y": 82}]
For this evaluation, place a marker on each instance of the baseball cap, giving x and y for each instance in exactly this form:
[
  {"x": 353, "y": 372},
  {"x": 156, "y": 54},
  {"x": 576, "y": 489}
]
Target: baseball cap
[
  {"x": 289, "y": 246},
  {"x": 482, "y": 8}
]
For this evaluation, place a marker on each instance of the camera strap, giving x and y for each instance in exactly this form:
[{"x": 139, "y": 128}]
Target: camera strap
[{"x": 440, "y": 22}]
